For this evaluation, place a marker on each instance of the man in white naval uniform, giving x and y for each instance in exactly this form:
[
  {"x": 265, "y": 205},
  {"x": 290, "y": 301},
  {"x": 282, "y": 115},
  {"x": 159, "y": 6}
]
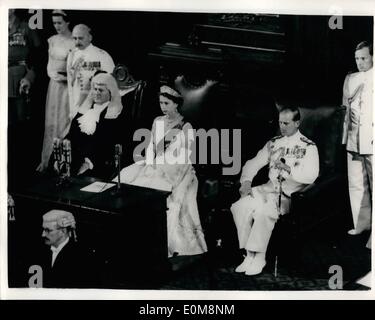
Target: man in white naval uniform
[
  {"x": 358, "y": 132},
  {"x": 83, "y": 61},
  {"x": 293, "y": 163}
]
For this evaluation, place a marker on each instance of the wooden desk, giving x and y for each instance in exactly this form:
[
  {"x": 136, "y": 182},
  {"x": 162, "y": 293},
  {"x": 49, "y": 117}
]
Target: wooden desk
[{"x": 127, "y": 231}]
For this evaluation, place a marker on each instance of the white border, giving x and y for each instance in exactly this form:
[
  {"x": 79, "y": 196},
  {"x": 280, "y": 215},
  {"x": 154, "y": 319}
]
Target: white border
[{"x": 321, "y": 7}]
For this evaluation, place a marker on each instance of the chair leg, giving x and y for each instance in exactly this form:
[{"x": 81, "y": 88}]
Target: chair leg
[{"x": 275, "y": 267}]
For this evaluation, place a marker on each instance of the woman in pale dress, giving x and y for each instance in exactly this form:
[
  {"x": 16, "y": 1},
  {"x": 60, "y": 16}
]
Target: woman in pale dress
[
  {"x": 168, "y": 167},
  {"x": 57, "y": 120}
]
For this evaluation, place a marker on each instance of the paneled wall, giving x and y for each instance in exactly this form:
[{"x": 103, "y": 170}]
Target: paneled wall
[{"x": 310, "y": 58}]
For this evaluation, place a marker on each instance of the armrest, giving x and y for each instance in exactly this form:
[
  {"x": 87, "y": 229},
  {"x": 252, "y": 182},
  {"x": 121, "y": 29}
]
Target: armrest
[
  {"x": 318, "y": 202},
  {"x": 326, "y": 186}
]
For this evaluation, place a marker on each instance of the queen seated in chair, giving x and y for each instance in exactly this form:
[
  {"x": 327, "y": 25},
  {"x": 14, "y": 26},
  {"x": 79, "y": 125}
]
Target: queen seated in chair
[
  {"x": 167, "y": 166},
  {"x": 96, "y": 129}
]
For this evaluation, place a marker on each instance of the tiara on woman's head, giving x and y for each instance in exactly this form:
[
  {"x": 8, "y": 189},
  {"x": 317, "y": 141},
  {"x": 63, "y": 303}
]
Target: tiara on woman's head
[{"x": 170, "y": 91}]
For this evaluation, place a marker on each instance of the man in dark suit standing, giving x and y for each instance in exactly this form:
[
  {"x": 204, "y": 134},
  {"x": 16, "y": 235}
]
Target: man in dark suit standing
[{"x": 64, "y": 264}]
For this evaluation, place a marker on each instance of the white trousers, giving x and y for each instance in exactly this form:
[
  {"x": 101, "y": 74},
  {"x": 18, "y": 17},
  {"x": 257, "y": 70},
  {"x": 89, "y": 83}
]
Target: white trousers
[
  {"x": 255, "y": 217},
  {"x": 360, "y": 190}
]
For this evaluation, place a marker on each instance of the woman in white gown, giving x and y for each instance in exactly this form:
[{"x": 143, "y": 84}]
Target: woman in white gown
[
  {"x": 168, "y": 167},
  {"x": 57, "y": 102}
]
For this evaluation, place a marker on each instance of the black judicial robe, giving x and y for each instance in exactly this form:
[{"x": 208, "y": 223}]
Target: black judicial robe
[
  {"x": 98, "y": 147},
  {"x": 71, "y": 268}
]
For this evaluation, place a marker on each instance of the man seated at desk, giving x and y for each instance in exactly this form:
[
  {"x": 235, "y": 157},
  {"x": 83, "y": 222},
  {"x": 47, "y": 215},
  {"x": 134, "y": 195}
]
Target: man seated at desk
[{"x": 96, "y": 128}]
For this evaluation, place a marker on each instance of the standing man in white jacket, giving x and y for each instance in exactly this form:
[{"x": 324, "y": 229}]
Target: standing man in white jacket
[
  {"x": 293, "y": 163},
  {"x": 358, "y": 132},
  {"x": 83, "y": 61}
]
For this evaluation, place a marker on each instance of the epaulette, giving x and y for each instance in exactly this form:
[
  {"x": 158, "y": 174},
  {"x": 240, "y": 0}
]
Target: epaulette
[
  {"x": 352, "y": 72},
  {"x": 276, "y": 138},
  {"x": 307, "y": 141},
  {"x": 103, "y": 52}
]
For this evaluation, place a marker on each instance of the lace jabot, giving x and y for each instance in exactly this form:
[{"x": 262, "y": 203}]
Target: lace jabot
[{"x": 88, "y": 121}]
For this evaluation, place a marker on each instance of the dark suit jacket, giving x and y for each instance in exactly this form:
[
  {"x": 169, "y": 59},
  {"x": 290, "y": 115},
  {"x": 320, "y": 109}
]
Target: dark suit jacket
[{"x": 71, "y": 268}]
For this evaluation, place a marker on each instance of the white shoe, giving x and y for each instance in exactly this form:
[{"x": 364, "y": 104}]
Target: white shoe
[
  {"x": 256, "y": 267},
  {"x": 353, "y": 232},
  {"x": 245, "y": 264}
]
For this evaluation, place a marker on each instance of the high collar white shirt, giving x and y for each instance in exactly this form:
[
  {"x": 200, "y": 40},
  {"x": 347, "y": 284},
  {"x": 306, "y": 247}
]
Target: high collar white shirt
[{"x": 56, "y": 250}]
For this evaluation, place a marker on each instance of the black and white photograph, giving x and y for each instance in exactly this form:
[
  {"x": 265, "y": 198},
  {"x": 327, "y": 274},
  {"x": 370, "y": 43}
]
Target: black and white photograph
[{"x": 210, "y": 152}]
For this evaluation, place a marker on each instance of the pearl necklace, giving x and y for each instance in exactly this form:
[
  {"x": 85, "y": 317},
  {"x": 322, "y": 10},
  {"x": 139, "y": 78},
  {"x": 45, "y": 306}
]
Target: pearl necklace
[
  {"x": 169, "y": 123},
  {"x": 169, "y": 120}
]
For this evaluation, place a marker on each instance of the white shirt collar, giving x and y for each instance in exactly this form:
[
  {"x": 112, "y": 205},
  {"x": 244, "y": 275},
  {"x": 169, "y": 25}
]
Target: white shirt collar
[
  {"x": 60, "y": 246},
  {"x": 56, "y": 250},
  {"x": 87, "y": 48},
  {"x": 368, "y": 74},
  {"x": 293, "y": 137}
]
